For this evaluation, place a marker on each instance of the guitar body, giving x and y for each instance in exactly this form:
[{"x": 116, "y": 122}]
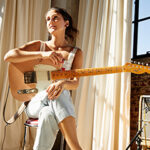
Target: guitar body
[{"x": 16, "y": 78}]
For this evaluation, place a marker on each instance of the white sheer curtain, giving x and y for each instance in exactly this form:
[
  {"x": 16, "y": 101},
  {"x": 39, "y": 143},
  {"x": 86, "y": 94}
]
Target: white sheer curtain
[
  {"x": 103, "y": 102},
  {"x": 23, "y": 21}
]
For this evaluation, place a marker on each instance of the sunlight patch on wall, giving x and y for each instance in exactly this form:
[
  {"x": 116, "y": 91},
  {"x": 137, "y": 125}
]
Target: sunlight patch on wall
[{"x": 1, "y": 15}]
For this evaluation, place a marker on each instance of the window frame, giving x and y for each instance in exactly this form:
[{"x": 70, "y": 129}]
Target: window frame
[{"x": 135, "y": 32}]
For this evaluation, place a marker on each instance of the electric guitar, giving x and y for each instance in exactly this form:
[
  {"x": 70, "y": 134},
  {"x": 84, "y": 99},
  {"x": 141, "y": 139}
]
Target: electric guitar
[{"x": 28, "y": 78}]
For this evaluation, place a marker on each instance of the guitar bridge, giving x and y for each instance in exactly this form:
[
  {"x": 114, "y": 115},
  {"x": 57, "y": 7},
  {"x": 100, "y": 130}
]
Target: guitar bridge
[{"x": 27, "y": 91}]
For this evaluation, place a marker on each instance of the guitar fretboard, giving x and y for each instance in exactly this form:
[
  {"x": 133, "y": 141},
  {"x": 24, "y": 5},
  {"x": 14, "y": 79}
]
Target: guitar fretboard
[{"x": 55, "y": 75}]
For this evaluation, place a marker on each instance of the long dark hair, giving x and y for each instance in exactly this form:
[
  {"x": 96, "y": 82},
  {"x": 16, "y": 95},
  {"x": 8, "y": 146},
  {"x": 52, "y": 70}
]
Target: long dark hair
[{"x": 71, "y": 31}]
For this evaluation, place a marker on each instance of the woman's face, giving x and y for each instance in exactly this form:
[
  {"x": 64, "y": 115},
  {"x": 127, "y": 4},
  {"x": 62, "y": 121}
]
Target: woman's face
[{"x": 55, "y": 22}]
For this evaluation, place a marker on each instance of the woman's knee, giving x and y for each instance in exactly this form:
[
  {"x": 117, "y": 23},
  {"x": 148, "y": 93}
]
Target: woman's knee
[
  {"x": 47, "y": 120},
  {"x": 45, "y": 112}
]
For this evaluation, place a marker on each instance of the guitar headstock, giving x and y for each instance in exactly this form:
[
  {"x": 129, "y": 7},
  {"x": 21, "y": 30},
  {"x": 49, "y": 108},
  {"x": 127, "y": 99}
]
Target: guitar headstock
[{"x": 136, "y": 68}]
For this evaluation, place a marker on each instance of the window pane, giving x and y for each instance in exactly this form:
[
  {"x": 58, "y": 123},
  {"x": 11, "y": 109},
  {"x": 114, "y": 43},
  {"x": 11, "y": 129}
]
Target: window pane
[
  {"x": 132, "y": 40},
  {"x": 143, "y": 37},
  {"x": 133, "y": 8},
  {"x": 144, "y": 8}
]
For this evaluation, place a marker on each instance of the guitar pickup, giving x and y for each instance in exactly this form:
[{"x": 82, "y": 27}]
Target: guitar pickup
[{"x": 30, "y": 77}]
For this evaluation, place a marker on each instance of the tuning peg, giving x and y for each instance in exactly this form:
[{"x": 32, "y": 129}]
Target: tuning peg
[
  {"x": 139, "y": 63},
  {"x": 143, "y": 64},
  {"x": 147, "y": 64}
]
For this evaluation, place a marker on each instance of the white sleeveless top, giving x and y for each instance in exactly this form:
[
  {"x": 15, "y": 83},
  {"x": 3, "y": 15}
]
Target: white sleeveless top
[{"x": 67, "y": 63}]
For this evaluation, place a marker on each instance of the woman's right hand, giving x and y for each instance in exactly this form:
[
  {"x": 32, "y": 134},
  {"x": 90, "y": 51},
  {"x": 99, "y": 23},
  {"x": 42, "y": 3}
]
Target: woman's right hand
[{"x": 56, "y": 58}]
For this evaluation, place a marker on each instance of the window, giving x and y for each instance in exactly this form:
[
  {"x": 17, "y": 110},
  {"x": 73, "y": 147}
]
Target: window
[{"x": 141, "y": 28}]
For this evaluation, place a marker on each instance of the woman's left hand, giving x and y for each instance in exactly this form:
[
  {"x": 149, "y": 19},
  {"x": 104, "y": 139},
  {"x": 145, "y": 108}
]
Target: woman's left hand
[{"x": 54, "y": 90}]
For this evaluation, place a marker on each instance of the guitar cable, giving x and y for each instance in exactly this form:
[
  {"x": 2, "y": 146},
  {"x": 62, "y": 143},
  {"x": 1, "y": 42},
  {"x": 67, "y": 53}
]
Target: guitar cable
[
  {"x": 4, "y": 108},
  {"x": 14, "y": 117}
]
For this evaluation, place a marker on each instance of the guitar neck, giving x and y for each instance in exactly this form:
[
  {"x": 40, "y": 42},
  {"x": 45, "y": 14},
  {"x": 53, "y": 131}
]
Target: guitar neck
[{"x": 55, "y": 75}]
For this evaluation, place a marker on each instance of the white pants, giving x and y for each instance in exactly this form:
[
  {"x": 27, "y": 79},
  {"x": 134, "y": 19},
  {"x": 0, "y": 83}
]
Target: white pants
[{"x": 50, "y": 113}]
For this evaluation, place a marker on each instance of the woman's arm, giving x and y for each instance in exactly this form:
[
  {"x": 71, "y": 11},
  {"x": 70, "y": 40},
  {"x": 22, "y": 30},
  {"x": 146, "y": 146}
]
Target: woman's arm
[
  {"x": 31, "y": 51},
  {"x": 55, "y": 89},
  {"x": 72, "y": 84}
]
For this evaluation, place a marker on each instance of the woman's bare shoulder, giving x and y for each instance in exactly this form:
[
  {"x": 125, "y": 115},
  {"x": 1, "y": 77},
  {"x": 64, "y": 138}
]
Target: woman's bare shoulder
[
  {"x": 74, "y": 47},
  {"x": 79, "y": 51},
  {"x": 31, "y": 46},
  {"x": 78, "y": 60}
]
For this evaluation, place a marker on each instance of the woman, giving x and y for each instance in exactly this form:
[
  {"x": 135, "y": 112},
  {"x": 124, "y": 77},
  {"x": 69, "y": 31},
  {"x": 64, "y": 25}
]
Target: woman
[{"x": 53, "y": 106}]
